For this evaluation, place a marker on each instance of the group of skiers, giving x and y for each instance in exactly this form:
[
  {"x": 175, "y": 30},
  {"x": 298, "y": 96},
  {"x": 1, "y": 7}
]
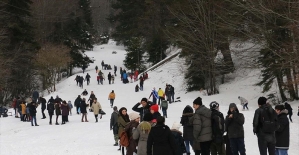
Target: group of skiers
[{"x": 145, "y": 133}]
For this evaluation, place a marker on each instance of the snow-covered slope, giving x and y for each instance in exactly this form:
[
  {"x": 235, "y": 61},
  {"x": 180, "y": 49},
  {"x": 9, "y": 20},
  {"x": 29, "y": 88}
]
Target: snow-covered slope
[{"x": 76, "y": 137}]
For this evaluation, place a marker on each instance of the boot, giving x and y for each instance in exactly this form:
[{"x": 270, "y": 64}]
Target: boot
[
  {"x": 116, "y": 144},
  {"x": 96, "y": 119}
]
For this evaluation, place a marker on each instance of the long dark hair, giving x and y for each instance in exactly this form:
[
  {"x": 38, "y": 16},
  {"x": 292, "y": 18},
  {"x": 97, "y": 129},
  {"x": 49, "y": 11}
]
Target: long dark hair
[{"x": 125, "y": 117}]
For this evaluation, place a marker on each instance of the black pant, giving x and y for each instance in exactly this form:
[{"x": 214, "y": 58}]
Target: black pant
[
  {"x": 50, "y": 115},
  {"x": 197, "y": 152},
  {"x": 205, "y": 147},
  {"x": 290, "y": 117},
  {"x": 109, "y": 81},
  {"x": 96, "y": 116},
  {"x": 88, "y": 82},
  {"x": 77, "y": 108},
  {"x": 264, "y": 146},
  {"x": 44, "y": 116}
]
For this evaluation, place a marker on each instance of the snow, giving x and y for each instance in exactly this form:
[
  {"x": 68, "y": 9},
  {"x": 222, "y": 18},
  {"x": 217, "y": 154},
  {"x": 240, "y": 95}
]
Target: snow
[{"x": 76, "y": 137}]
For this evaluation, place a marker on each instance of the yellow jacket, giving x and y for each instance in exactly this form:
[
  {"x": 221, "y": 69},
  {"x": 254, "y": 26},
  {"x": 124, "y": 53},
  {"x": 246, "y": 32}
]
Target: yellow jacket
[
  {"x": 111, "y": 96},
  {"x": 160, "y": 93},
  {"x": 23, "y": 109}
]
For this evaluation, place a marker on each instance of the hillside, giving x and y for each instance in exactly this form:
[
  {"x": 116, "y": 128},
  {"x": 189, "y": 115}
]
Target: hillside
[{"x": 76, "y": 137}]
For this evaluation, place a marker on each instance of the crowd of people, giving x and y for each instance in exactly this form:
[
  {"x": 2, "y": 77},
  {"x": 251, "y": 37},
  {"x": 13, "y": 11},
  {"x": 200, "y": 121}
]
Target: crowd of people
[{"x": 205, "y": 130}]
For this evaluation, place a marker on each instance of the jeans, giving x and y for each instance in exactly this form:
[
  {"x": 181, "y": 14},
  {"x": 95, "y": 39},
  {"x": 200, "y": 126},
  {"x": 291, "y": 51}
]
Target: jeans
[
  {"x": 141, "y": 87},
  {"x": 187, "y": 144},
  {"x": 281, "y": 152},
  {"x": 237, "y": 146},
  {"x": 264, "y": 146},
  {"x": 111, "y": 102},
  {"x": 245, "y": 105},
  {"x": 33, "y": 118},
  {"x": 164, "y": 111},
  {"x": 154, "y": 100}
]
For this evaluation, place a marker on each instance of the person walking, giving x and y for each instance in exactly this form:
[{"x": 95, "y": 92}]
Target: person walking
[
  {"x": 244, "y": 102},
  {"x": 283, "y": 133},
  {"x": 187, "y": 127},
  {"x": 91, "y": 98},
  {"x": 57, "y": 111},
  {"x": 114, "y": 125},
  {"x": 87, "y": 78},
  {"x": 160, "y": 139},
  {"x": 50, "y": 108},
  {"x": 83, "y": 107},
  {"x": 78, "y": 103},
  {"x": 135, "y": 118},
  {"x": 111, "y": 97},
  {"x": 96, "y": 108},
  {"x": 109, "y": 78},
  {"x": 217, "y": 145},
  {"x": 96, "y": 69},
  {"x": 43, "y": 103},
  {"x": 69, "y": 103},
  {"x": 123, "y": 120},
  {"x": 179, "y": 141},
  {"x": 154, "y": 93},
  {"x": 115, "y": 70},
  {"x": 264, "y": 126},
  {"x": 145, "y": 107},
  {"x": 290, "y": 110},
  {"x": 234, "y": 122},
  {"x": 141, "y": 133},
  {"x": 160, "y": 94},
  {"x": 64, "y": 112},
  {"x": 141, "y": 82},
  {"x": 32, "y": 110},
  {"x": 164, "y": 106},
  {"x": 202, "y": 126}
]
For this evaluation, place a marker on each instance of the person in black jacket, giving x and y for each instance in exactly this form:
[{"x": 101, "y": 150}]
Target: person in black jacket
[
  {"x": 160, "y": 139},
  {"x": 187, "y": 127},
  {"x": 234, "y": 122},
  {"x": 87, "y": 78},
  {"x": 84, "y": 93},
  {"x": 283, "y": 133},
  {"x": 266, "y": 141},
  {"x": 109, "y": 78},
  {"x": 290, "y": 110},
  {"x": 43, "y": 102},
  {"x": 217, "y": 145},
  {"x": 77, "y": 103},
  {"x": 91, "y": 98},
  {"x": 51, "y": 100},
  {"x": 50, "y": 108},
  {"x": 32, "y": 110},
  {"x": 83, "y": 106},
  {"x": 144, "y": 109}
]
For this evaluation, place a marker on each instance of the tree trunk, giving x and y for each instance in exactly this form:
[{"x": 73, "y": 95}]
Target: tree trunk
[
  {"x": 280, "y": 83},
  {"x": 290, "y": 84},
  {"x": 228, "y": 61},
  {"x": 295, "y": 82}
]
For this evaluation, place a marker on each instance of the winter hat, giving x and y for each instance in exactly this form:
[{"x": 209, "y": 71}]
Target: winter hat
[
  {"x": 176, "y": 126},
  {"x": 233, "y": 105},
  {"x": 134, "y": 115},
  {"x": 148, "y": 117},
  {"x": 198, "y": 101},
  {"x": 262, "y": 101},
  {"x": 144, "y": 99},
  {"x": 214, "y": 105},
  {"x": 155, "y": 107}
]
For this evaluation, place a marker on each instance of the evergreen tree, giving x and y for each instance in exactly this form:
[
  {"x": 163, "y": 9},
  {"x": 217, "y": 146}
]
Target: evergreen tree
[
  {"x": 19, "y": 46},
  {"x": 134, "y": 54}
]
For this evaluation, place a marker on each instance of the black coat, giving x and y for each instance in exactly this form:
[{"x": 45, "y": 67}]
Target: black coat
[
  {"x": 257, "y": 125},
  {"x": 283, "y": 133},
  {"x": 109, "y": 76},
  {"x": 160, "y": 141},
  {"x": 234, "y": 126},
  {"x": 187, "y": 126},
  {"x": 32, "y": 109},
  {"x": 289, "y": 108},
  {"x": 51, "y": 100},
  {"x": 43, "y": 102},
  {"x": 142, "y": 110},
  {"x": 50, "y": 107},
  {"x": 78, "y": 102},
  {"x": 83, "y": 106},
  {"x": 179, "y": 141}
]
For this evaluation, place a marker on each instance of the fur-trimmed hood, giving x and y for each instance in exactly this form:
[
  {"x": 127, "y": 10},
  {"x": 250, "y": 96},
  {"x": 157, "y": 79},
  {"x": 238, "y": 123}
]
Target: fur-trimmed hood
[{"x": 175, "y": 130}]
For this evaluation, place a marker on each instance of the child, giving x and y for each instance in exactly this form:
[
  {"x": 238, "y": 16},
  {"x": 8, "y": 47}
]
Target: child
[
  {"x": 155, "y": 111},
  {"x": 164, "y": 106},
  {"x": 24, "y": 114},
  {"x": 98, "y": 79},
  {"x": 136, "y": 88},
  {"x": 69, "y": 103},
  {"x": 179, "y": 141}
]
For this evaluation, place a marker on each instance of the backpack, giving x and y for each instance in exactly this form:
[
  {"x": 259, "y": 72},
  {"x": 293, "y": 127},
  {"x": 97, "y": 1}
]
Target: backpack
[
  {"x": 164, "y": 104},
  {"x": 217, "y": 121},
  {"x": 124, "y": 139},
  {"x": 268, "y": 120}
]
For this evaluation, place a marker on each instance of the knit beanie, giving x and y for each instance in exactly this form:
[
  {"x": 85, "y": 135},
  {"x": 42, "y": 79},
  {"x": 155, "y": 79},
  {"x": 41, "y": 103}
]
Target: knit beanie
[
  {"x": 148, "y": 117},
  {"x": 198, "y": 101},
  {"x": 262, "y": 101},
  {"x": 176, "y": 126},
  {"x": 133, "y": 115},
  {"x": 155, "y": 107}
]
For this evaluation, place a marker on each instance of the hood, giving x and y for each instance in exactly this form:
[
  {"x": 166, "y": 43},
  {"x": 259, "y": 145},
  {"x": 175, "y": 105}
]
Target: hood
[
  {"x": 176, "y": 132},
  {"x": 230, "y": 106},
  {"x": 284, "y": 111},
  {"x": 204, "y": 111},
  {"x": 188, "y": 109}
]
